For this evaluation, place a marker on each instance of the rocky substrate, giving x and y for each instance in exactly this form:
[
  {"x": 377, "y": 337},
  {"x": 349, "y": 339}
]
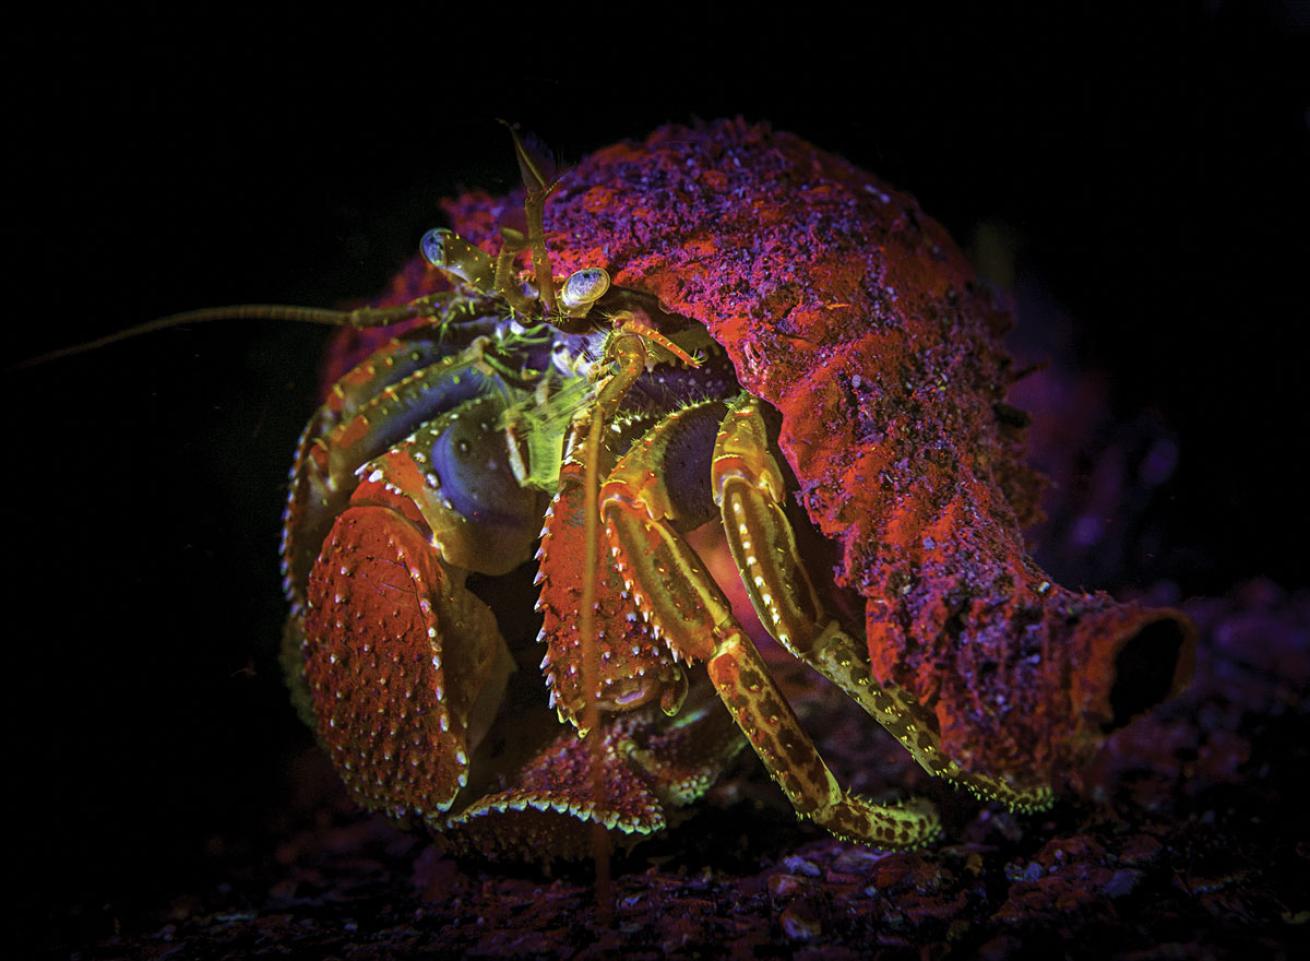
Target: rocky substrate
[{"x": 1181, "y": 843}]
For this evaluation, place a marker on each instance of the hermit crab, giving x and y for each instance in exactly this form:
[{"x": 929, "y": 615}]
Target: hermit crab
[{"x": 726, "y": 327}]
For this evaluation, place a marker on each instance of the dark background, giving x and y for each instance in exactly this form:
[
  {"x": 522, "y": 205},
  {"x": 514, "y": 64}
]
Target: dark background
[{"x": 1150, "y": 170}]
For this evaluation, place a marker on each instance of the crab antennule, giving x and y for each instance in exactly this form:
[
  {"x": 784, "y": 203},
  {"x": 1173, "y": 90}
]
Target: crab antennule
[
  {"x": 630, "y": 354},
  {"x": 600, "y": 847},
  {"x": 536, "y": 190}
]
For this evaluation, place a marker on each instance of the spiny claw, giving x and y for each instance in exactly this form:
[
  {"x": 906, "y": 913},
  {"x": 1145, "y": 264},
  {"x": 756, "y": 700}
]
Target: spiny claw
[
  {"x": 633, "y": 668},
  {"x": 397, "y": 656}
]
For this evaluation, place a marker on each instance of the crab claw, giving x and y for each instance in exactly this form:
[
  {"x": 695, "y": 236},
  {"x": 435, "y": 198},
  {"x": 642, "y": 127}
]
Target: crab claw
[
  {"x": 404, "y": 667},
  {"x": 635, "y": 668}
]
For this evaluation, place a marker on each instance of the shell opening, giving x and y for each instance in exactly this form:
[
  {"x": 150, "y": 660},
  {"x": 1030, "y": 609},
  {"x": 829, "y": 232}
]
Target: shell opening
[{"x": 1150, "y": 666}]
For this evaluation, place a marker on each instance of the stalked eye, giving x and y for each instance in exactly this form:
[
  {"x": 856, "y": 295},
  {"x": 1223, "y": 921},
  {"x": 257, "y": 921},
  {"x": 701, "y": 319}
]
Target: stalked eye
[
  {"x": 455, "y": 256},
  {"x": 582, "y": 289},
  {"x": 433, "y": 246}
]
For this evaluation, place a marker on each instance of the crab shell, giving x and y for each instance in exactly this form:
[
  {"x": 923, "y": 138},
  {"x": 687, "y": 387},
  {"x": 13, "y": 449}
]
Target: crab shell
[{"x": 852, "y": 313}]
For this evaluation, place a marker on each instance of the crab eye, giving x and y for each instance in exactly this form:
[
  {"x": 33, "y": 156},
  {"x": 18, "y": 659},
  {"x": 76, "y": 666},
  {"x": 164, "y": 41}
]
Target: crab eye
[
  {"x": 455, "y": 256},
  {"x": 583, "y": 288},
  {"x": 433, "y": 246}
]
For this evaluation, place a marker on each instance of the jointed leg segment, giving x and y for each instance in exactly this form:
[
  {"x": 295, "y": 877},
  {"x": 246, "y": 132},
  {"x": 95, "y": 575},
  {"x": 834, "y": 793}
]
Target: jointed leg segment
[
  {"x": 748, "y": 488},
  {"x": 741, "y": 678},
  {"x": 690, "y": 613}
]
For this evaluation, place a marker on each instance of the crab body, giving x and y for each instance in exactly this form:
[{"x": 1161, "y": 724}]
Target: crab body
[{"x": 848, "y": 379}]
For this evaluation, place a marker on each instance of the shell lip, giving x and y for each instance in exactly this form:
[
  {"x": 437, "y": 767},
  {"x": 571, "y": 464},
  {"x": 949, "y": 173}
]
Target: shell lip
[
  {"x": 1136, "y": 659},
  {"x": 1152, "y": 664}
]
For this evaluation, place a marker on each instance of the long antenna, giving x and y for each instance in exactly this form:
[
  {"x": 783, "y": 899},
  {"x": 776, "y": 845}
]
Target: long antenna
[{"x": 363, "y": 317}]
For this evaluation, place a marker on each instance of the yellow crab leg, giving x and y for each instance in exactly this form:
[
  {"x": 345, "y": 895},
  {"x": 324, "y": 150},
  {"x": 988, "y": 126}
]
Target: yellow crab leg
[
  {"x": 686, "y": 608},
  {"x": 354, "y": 426},
  {"x": 742, "y": 680},
  {"x": 748, "y": 488}
]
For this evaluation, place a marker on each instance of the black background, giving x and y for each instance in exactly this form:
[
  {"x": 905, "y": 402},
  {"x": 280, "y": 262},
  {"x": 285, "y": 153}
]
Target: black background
[{"x": 1153, "y": 168}]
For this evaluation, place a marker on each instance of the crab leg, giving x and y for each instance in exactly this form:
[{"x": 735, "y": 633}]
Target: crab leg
[
  {"x": 748, "y": 488},
  {"x": 650, "y": 766},
  {"x": 643, "y": 517}
]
